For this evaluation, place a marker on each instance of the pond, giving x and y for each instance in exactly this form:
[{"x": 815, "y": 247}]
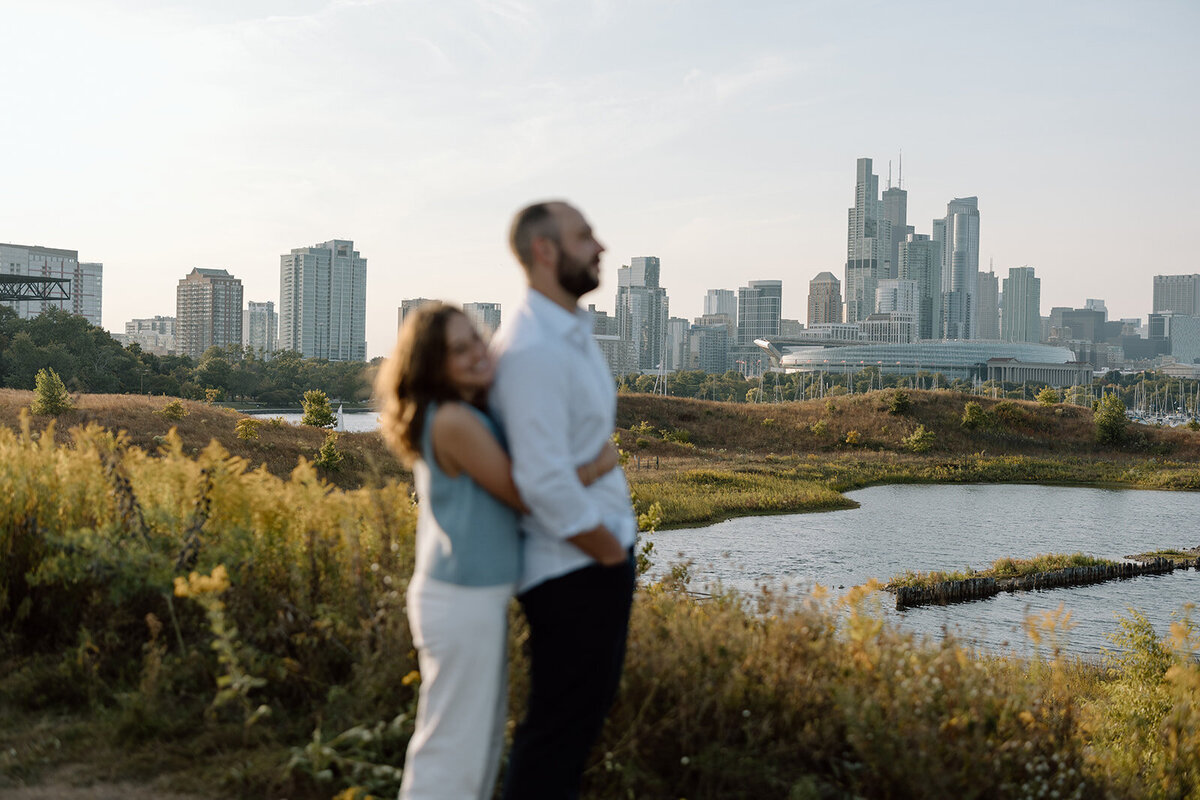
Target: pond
[{"x": 924, "y": 528}]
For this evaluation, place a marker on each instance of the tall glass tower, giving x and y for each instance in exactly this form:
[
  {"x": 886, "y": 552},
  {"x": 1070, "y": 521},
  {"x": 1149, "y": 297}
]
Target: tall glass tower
[
  {"x": 323, "y": 301},
  {"x": 960, "y": 262}
]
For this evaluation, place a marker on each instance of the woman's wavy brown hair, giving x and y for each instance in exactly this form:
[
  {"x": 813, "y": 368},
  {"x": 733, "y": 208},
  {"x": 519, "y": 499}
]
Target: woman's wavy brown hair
[{"x": 413, "y": 377}]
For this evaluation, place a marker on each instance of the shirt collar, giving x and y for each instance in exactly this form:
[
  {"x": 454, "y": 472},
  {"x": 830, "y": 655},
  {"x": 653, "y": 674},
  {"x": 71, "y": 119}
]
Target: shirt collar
[{"x": 558, "y": 321}]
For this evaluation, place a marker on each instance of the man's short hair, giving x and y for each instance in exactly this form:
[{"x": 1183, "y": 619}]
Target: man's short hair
[{"x": 533, "y": 220}]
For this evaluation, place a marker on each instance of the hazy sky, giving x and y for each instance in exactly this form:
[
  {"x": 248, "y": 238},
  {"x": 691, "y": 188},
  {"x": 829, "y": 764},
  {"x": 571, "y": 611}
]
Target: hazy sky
[{"x": 720, "y": 136}]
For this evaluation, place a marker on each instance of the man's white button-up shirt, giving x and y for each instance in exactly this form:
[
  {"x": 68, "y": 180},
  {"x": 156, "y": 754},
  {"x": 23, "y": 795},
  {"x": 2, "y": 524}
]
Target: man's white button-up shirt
[{"x": 555, "y": 400}]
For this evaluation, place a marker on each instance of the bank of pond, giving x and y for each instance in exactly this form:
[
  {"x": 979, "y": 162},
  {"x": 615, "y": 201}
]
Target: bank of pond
[{"x": 934, "y": 540}]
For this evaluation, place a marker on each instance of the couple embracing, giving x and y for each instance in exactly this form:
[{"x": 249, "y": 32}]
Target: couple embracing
[{"x": 519, "y": 493}]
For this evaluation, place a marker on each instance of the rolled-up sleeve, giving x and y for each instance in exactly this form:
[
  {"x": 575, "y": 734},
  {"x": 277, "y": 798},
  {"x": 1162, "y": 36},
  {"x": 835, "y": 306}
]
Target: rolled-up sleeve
[{"x": 531, "y": 395}]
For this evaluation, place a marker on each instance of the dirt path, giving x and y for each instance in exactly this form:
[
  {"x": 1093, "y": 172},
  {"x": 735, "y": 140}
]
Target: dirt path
[{"x": 72, "y": 784}]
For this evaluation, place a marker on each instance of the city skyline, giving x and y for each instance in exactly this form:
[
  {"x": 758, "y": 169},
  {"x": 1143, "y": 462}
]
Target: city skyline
[{"x": 176, "y": 147}]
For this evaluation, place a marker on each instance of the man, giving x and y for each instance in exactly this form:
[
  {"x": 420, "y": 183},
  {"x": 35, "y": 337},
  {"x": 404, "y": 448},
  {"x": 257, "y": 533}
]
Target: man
[{"x": 555, "y": 400}]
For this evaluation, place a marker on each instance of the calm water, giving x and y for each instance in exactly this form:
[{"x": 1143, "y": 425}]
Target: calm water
[
  {"x": 358, "y": 422},
  {"x": 951, "y": 527}
]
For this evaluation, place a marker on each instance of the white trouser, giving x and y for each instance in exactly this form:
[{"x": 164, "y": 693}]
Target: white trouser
[{"x": 461, "y": 637}]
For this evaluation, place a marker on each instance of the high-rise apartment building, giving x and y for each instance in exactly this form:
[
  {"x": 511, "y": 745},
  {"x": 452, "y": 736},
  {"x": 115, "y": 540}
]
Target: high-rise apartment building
[
  {"x": 897, "y": 296},
  {"x": 824, "y": 299},
  {"x": 960, "y": 267},
  {"x": 323, "y": 301},
  {"x": 407, "y": 306},
  {"x": 617, "y": 352},
  {"x": 86, "y": 280},
  {"x": 485, "y": 316},
  {"x": 152, "y": 334},
  {"x": 260, "y": 326},
  {"x": 921, "y": 262},
  {"x": 709, "y": 346},
  {"x": 721, "y": 301},
  {"x": 642, "y": 311},
  {"x": 677, "y": 355},
  {"x": 895, "y": 212},
  {"x": 987, "y": 287},
  {"x": 1179, "y": 294},
  {"x": 1022, "y": 316},
  {"x": 760, "y": 307},
  {"x": 868, "y": 244},
  {"x": 208, "y": 312}
]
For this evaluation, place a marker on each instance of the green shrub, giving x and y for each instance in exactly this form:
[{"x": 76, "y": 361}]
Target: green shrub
[
  {"x": 328, "y": 457},
  {"x": 1110, "y": 420},
  {"x": 50, "y": 396},
  {"x": 1048, "y": 397},
  {"x": 819, "y": 428},
  {"x": 247, "y": 428},
  {"x": 853, "y": 437},
  {"x": 899, "y": 402},
  {"x": 643, "y": 428},
  {"x": 317, "y": 411},
  {"x": 919, "y": 441},
  {"x": 1009, "y": 414},
  {"x": 173, "y": 410},
  {"x": 973, "y": 415}
]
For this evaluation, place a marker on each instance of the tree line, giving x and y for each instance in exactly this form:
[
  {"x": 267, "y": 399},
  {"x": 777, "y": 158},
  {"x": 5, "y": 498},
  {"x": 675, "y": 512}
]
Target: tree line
[
  {"x": 88, "y": 359},
  {"x": 1139, "y": 389}
]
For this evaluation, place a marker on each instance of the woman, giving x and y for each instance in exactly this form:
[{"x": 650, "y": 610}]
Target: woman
[{"x": 467, "y": 552}]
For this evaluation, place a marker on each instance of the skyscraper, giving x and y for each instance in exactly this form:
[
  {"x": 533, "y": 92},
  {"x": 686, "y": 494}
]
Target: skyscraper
[
  {"x": 260, "y": 326},
  {"x": 1177, "y": 293},
  {"x": 721, "y": 301},
  {"x": 86, "y": 287},
  {"x": 987, "y": 286},
  {"x": 921, "y": 262},
  {"x": 323, "y": 301},
  {"x": 760, "y": 306},
  {"x": 1022, "y": 316},
  {"x": 868, "y": 244},
  {"x": 642, "y": 311},
  {"x": 960, "y": 266},
  {"x": 485, "y": 316},
  {"x": 824, "y": 299},
  {"x": 895, "y": 211},
  {"x": 208, "y": 312},
  {"x": 407, "y": 306},
  {"x": 897, "y": 296}
]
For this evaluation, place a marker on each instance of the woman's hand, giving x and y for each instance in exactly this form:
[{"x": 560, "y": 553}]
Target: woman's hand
[{"x": 607, "y": 460}]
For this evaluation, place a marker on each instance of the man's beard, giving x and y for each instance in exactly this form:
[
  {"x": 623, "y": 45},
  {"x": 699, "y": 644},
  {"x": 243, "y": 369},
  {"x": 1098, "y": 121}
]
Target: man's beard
[{"x": 574, "y": 276}]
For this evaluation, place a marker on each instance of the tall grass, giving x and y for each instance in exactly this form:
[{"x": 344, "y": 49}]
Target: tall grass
[{"x": 190, "y": 604}]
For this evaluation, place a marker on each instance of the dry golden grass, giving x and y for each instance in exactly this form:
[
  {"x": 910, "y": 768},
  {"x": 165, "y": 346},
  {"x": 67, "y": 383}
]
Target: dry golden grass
[
  {"x": 1026, "y": 429},
  {"x": 278, "y": 447}
]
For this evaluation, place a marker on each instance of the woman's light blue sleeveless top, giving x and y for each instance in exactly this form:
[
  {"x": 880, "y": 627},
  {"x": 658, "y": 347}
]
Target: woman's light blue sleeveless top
[{"x": 464, "y": 535}]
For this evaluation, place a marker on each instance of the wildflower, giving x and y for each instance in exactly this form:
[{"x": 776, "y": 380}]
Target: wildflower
[{"x": 411, "y": 678}]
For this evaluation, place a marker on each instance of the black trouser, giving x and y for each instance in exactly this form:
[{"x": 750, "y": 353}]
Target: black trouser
[{"x": 577, "y": 628}]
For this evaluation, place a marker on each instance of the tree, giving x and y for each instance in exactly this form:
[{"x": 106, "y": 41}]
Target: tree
[
  {"x": 920, "y": 440},
  {"x": 973, "y": 415},
  {"x": 328, "y": 457},
  {"x": 1110, "y": 420},
  {"x": 1048, "y": 397},
  {"x": 50, "y": 396},
  {"x": 317, "y": 411},
  {"x": 899, "y": 402}
]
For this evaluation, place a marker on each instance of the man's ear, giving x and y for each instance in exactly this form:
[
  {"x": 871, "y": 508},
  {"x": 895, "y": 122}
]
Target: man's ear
[{"x": 545, "y": 250}]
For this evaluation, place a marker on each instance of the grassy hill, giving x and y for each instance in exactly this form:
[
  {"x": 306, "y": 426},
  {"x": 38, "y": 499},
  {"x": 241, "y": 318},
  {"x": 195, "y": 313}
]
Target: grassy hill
[
  {"x": 1009, "y": 427},
  {"x": 278, "y": 447}
]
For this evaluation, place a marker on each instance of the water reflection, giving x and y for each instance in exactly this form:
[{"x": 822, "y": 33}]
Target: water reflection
[{"x": 952, "y": 527}]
